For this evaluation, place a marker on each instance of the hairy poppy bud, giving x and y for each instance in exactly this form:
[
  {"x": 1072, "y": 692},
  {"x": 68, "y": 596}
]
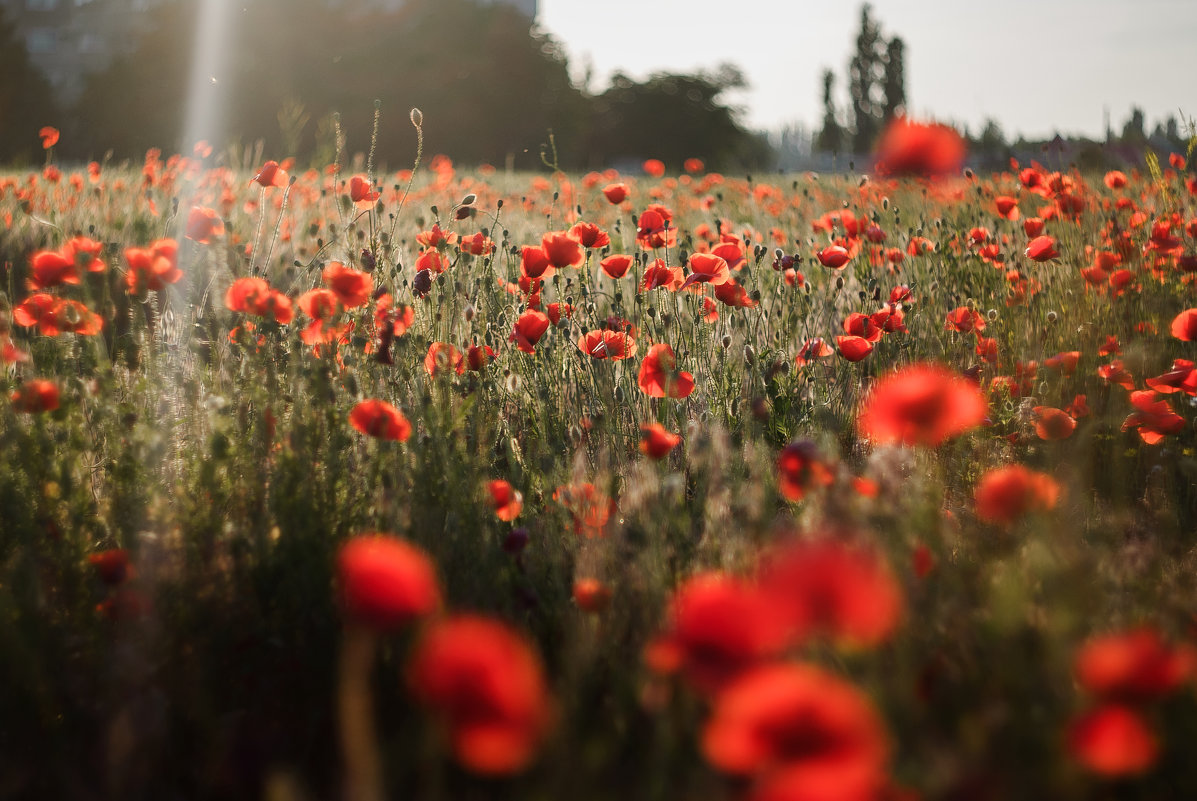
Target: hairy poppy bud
[
  {"x": 417, "y": 118},
  {"x": 421, "y": 285}
]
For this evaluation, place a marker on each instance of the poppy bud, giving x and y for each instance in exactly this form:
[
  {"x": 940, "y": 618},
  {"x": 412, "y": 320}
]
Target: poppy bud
[
  {"x": 368, "y": 262},
  {"x": 992, "y": 314},
  {"x": 417, "y": 118},
  {"x": 421, "y": 285},
  {"x": 468, "y": 200},
  {"x": 1052, "y": 316},
  {"x": 516, "y": 540},
  {"x": 469, "y": 312},
  {"x": 749, "y": 354},
  {"x": 839, "y": 283},
  {"x": 726, "y": 341}
]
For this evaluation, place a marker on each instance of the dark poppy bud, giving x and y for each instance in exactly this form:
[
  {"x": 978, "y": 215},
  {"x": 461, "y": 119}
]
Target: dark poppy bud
[
  {"x": 367, "y": 260},
  {"x": 421, "y": 285},
  {"x": 516, "y": 540}
]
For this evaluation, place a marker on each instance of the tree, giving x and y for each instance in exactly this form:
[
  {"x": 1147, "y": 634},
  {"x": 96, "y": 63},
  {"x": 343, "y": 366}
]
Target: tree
[
  {"x": 831, "y": 137},
  {"x": 1134, "y": 132},
  {"x": 895, "y": 79},
  {"x": 866, "y": 72},
  {"x": 26, "y": 99}
]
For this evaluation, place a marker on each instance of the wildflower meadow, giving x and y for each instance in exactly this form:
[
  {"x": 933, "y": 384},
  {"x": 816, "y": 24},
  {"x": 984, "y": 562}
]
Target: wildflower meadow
[{"x": 364, "y": 482}]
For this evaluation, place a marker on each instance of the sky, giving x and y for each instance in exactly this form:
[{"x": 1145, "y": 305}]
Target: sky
[{"x": 1036, "y": 66}]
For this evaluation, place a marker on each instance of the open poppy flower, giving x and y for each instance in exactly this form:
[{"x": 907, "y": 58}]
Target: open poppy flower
[
  {"x": 853, "y": 348},
  {"x": 379, "y": 419},
  {"x": 50, "y": 268},
  {"x": 656, "y": 442},
  {"x": 833, "y": 256},
  {"x": 152, "y": 268},
  {"x": 921, "y": 404},
  {"x": 506, "y": 499},
  {"x": 255, "y": 296},
  {"x": 659, "y": 276},
  {"x": 659, "y": 376},
  {"x": 1053, "y": 424},
  {"x": 1133, "y": 666},
  {"x": 1113, "y": 741},
  {"x": 352, "y": 287},
  {"x": 1042, "y": 248},
  {"x": 1007, "y": 207},
  {"x": 204, "y": 225},
  {"x": 35, "y": 396},
  {"x": 478, "y": 356},
  {"x": 1153, "y": 417},
  {"x": 735, "y": 295},
  {"x": 270, "y": 174},
  {"x": 1184, "y": 326},
  {"x": 615, "y": 193},
  {"x": 801, "y": 733},
  {"x": 589, "y": 235},
  {"x": 360, "y": 191},
  {"x": 706, "y": 268},
  {"x": 562, "y": 250},
  {"x": 616, "y": 266},
  {"x": 484, "y": 681},
  {"x": 812, "y": 349},
  {"x": 1181, "y": 378},
  {"x": 443, "y": 358},
  {"x": 655, "y": 228},
  {"x": 54, "y": 316},
  {"x": 964, "y": 320},
  {"x": 386, "y": 582},
  {"x": 1005, "y": 494},
  {"x": 607, "y": 344},
  {"x": 529, "y": 328},
  {"x": 49, "y": 136}
]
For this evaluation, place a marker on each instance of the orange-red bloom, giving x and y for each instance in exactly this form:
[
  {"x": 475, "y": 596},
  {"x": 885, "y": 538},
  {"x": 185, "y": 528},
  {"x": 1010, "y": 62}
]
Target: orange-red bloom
[
  {"x": 925, "y": 149},
  {"x": 1113, "y": 741},
  {"x": 1184, "y": 325},
  {"x": 921, "y": 404},
  {"x": 659, "y": 376},
  {"x": 834, "y": 256},
  {"x": 1052, "y": 423},
  {"x": 1005, "y": 494},
  {"x": 35, "y": 396},
  {"x": 656, "y": 441},
  {"x": 352, "y": 287},
  {"x": 506, "y": 499},
  {"x": 615, "y": 193},
  {"x": 152, "y": 268},
  {"x": 1132, "y": 666},
  {"x": 361, "y": 192},
  {"x": 607, "y": 344},
  {"x": 591, "y": 595},
  {"x": 616, "y": 266},
  {"x": 654, "y": 167},
  {"x": 800, "y": 467},
  {"x": 442, "y": 357},
  {"x": 529, "y": 328},
  {"x": 255, "y": 296},
  {"x": 1042, "y": 248},
  {"x": 802, "y": 733},
  {"x": 707, "y": 268},
  {"x": 377, "y": 418},
  {"x": 485, "y": 682},
  {"x": 203, "y": 225},
  {"x": 562, "y": 250},
  {"x": 270, "y": 175},
  {"x": 386, "y": 582},
  {"x": 1153, "y": 417}
]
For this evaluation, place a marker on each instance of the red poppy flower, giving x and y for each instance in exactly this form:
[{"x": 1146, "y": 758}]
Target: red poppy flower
[
  {"x": 1181, "y": 378},
  {"x": 1052, "y": 424},
  {"x": 270, "y": 175},
  {"x": 1153, "y": 418},
  {"x": 615, "y": 193},
  {"x": 485, "y": 682},
  {"x": 659, "y": 376},
  {"x": 826, "y": 587},
  {"x": 254, "y": 296},
  {"x": 731, "y": 250},
  {"x": 1115, "y": 179},
  {"x": 1004, "y": 494},
  {"x": 1115, "y": 373},
  {"x": 321, "y": 305},
  {"x": 386, "y": 582},
  {"x": 152, "y": 268},
  {"x": 562, "y": 250},
  {"x": 921, "y": 404},
  {"x": 654, "y": 167},
  {"x": 1113, "y": 741},
  {"x": 616, "y": 266},
  {"x": 719, "y": 626},
  {"x": 443, "y": 357},
  {"x": 853, "y": 348},
  {"x": 35, "y": 396},
  {"x": 800, "y": 467},
  {"x": 801, "y": 732},
  {"x": 812, "y": 349},
  {"x": 833, "y": 256},
  {"x": 377, "y": 418},
  {"x": 529, "y": 328},
  {"x": 693, "y": 165},
  {"x": 436, "y": 238},
  {"x": 987, "y": 349},
  {"x": 478, "y": 356},
  {"x": 54, "y": 316},
  {"x": 432, "y": 261},
  {"x": 732, "y": 294},
  {"x": 1065, "y": 362},
  {"x": 203, "y": 225},
  {"x": 706, "y": 268},
  {"x": 50, "y": 268},
  {"x": 1133, "y": 666},
  {"x": 589, "y": 235},
  {"x": 352, "y": 287},
  {"x": 1184, "y": 325},
  {"x": 924, "y": 149},
  {"x": 1042, "y": 248},
  {"x": 476, "y": 244},
  {"x": 658, "y": 275},
  {"x": 964, "y": 320},
  {"x": 360, "y": 191},
  {"x": 49, "y": 136},
  {"x": 506, "y": 499},
  {"x": 558, "y": 310},
  {"x": 1078, "y": 408},
  {"x": 606, "y": 344},
  {"x": 112, "y": 565},
  {"x": 591, "y": 595},
  {"x": 1033, "y": 227},
  {"x": 656, "y": 442},
  {"x": 655, "y": 228},
  {"x": 591, "y": 509},
  {"x": 1007, "y": 207},
  {"x": 862, "y": 325}
]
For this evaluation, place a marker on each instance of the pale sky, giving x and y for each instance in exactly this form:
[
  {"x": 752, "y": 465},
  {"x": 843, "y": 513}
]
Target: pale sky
[{"x": 1037, "y": 66}]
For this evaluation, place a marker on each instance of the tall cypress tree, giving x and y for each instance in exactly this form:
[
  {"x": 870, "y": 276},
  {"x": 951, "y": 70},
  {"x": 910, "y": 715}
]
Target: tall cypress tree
[
  {"x": 831, "y": 137},
  {"x": 895, "y": 79},
  {"x": 866, "y": 73}
]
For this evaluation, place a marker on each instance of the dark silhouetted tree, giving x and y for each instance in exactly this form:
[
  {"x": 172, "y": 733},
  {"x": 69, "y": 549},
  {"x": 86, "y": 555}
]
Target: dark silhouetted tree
[
  {"x": 26, "y": 99},
  {"x": 831, "y": 136},
  {"x": 866, "y": 73},
  {"x": 1134, "y": 132},
  {"x": 895, "y": 79}
]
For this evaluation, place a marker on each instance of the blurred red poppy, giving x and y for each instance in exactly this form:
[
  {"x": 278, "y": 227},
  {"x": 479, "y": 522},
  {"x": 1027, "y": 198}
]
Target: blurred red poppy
[
  {"x": 693, "y": 165},
  {"x": 929, "y": 150},
  {"x": 1153, "y": 417},
  {"x": 485, "y": 682},
  {"x": 1042, "y": 248},
  {"x": 1184, "y": 325},
  {"x": 1181, "y": 378},
  {"x": 270, "y": 175},
  {"x": 35, "y": 396},
  {"x": 659, "y": 376},
  {"x": 50, "y": 268},
  {"x": 1113, "y": 741},
  {"x": 1053, "y": 424},
  {"x": 443, "y": 358},
  {"x": 255, "y": 296},
  {"x": 377, "y": 418},
  {"x": 152, "y": 268},
  {"x": 203, "y": 225},
  {"x": 615, "y": 193},
  {"x": 800, "y": 467},
  {"x": 591, "y": 595},
  {"x": 802, "y": 733},
  {"x": 920, "y": 404},
  {"x": 352, "y": 287},
  {"x": 562, "y": 250},
  {"x": 1133, "y": 666},
  {"x": 656, "y": 442},
  {"x": 361, "y": 192},
  {"x": 386, "y": 582},
  {"x": 654, "y": 167},
  {"x": 1005, "y": 494},
  {"x": 49, "y": 136},
  {"x": 506, "y": 499},
  {"x": 112, "y": 565}
]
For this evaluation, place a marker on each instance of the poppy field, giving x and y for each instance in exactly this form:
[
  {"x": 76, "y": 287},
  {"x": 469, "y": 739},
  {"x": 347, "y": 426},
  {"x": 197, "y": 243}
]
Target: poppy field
[{"x": 445, "y": 483}]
